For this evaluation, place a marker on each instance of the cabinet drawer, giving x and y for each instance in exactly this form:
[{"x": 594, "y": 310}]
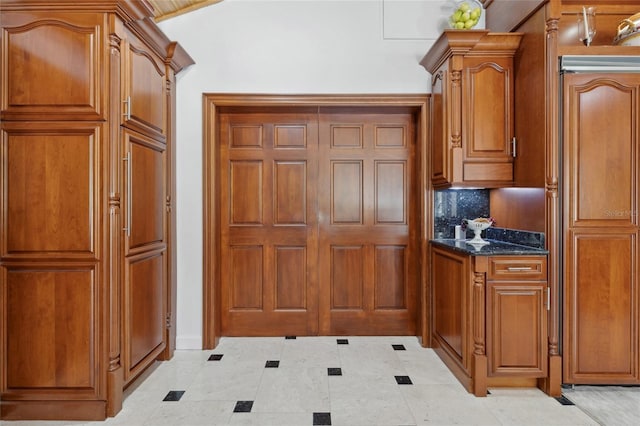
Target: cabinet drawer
[{"x": 517, "y": 268}]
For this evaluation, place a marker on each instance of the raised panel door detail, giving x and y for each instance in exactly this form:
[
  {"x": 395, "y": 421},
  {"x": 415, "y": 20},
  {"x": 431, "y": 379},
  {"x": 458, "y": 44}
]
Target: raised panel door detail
[
  {"x": 488, "y": 100},
  {"x": 346, "y": 136},
  {"x": 601, "y": 320},
  {"x": 290, "y": 198},
  {"x": 290, "y": 136},
  {"x": 145, "y": 306},
  {"x": 52, "y": 191},
  {"x": 515, "y": 329},
  {"x": 365, "y": 212},
  {"x": 268, "y": 215},
  {"x": 148, "y": 193},
  {"x": 147, "y": 90},
  {"x": 438, "y": 126},
  {"x": 603, "y": 152},
  {"x": 347, "y": 277},
  {"x": 247, "y": 275},
  {"x": 246, "y": 137},
  {"x": 448, "y": 301},
  {"x": 291, "y": 277},
  {"x": 49, "y": 325},
  {"x": 390, "y": 137},
  {"x": 246, "y": 192},
  {"x": 52, "y": 66},
  {"x": 346, "y": 192},
  {"x": 391, "y": 192},
  {"x": 390, "y": 277}
]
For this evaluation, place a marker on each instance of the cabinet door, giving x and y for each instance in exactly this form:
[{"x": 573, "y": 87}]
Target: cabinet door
[
  {"x": 445, "y": 129},
  {"x": 601, "y": 152},
  {"x": 52, "y": 66},
  {"x": 51, "y": 278},
  {"x": 144, "y": 89},
  {"x": 516, "y": 329},
  {"x": 487, "y": 117},
  {"x": 145, "y": 280}
]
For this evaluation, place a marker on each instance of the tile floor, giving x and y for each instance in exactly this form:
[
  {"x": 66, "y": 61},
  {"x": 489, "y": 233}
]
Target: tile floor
[{"x": 323, "y": 381}]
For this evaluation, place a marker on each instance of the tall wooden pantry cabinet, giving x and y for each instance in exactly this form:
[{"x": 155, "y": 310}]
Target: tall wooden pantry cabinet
[
  {"x": 87, "y": 141},
  {"x": 583, "y": 127}
]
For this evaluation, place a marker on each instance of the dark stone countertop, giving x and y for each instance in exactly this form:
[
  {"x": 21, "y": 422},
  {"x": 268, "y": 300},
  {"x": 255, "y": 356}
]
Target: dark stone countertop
[{"x": 494, "y": 248}]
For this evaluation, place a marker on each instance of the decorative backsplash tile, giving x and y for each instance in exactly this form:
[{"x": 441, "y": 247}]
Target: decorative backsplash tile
[
  {"x": 453, "y": 205},
  {"x": 525, "y": 238}
]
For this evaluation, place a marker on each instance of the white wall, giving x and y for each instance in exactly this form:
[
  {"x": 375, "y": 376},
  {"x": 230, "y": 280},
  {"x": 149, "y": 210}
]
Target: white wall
[{"x": 296, "y": 46}]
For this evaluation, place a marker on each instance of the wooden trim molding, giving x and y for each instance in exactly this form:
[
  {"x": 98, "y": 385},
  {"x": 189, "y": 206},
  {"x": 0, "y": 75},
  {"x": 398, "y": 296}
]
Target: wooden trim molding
[{"x": 212, "y": 102}]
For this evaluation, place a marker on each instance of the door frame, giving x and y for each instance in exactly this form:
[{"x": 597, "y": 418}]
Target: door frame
[{"x": 212, "y": 102}]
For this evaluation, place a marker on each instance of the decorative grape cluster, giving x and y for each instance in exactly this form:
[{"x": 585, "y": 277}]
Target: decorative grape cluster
[{"x": 464, "y": 17}]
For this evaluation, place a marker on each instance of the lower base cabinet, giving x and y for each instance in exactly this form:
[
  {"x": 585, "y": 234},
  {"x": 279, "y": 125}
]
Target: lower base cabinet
[{"x": 489, "y": 322}]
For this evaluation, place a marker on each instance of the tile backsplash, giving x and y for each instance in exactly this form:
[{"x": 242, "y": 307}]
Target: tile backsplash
[{"x": 451, "y": 206}]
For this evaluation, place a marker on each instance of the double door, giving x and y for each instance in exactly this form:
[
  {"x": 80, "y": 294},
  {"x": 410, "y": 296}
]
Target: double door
[{"x": 317, "y": 211}]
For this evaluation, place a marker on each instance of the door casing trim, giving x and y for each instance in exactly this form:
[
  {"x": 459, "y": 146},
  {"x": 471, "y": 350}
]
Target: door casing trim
[{"x": 212, "y": 102}]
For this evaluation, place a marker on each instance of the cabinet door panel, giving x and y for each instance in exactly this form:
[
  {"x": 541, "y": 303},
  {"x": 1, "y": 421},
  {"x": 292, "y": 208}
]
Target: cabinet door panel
[
  {"x": 516, "y": 329},
  {"x": 145, "y": 89},
  {"x": 52, "y": 66},
  {"x": 51, "y": 324},
  {"x": 144, "y": 320},
  {"x": 601, "y": 319},
  {"x": 487, "y": 114},
  {"x": 54, "y": 178},
  {"x": 145, "y": 192},
  {"x": 440, "y": 172},
  {"x": 601, "y": 133}
]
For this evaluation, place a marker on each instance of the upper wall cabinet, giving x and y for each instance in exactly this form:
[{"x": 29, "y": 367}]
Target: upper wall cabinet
[{"x": 472, "y": 108}]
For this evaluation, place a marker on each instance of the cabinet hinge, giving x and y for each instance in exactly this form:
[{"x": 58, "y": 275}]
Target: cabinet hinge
[{"x": 513, "y": 146}]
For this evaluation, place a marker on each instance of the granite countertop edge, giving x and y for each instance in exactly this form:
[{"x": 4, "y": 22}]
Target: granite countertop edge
[{"x": 494, "y": 248}]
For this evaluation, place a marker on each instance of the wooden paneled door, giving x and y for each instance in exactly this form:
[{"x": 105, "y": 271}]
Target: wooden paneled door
[
  {"x": 367, "y": 280},
  {"x": 269, "y": 226},
  {"x": 316, "y": 208}
]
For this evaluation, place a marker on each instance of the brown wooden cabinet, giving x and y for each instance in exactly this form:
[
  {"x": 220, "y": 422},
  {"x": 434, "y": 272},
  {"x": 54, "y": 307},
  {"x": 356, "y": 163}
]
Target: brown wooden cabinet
[
  {"x": 602, "y": 230},
  {"x": 86, "y": 263},
  {"x": 472, "y": 108},
  {"x": 489, "y": 318},
  {"x": 517, "y": 316},
  {"x": 549, "y": 29}
]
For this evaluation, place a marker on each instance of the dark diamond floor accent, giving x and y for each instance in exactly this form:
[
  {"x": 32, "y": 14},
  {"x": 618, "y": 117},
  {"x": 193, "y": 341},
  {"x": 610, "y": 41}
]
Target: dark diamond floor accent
[
  {"x": 215, "y": 357},
  {"x": 243, "y": 407},
  {"x": 290, "y": 337},
  {"x": 272, "y": 364},
  {"x": 321, "y": 419},
  {"x": 343, "y": 341},
  {"x": 174, "y": 395},
  {"x": 334, "y": 371},
  {"x": 399, "y": 348},
  {"x": 403, "y": 380},
  {"x": 564, "y": 400}
]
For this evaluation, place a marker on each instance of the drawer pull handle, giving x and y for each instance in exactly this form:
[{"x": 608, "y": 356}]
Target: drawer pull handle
[{"x": 519, "y": 268}]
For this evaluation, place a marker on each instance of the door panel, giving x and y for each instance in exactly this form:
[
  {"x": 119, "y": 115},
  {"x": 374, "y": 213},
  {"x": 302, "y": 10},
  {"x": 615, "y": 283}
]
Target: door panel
[
  {"x": 268, "y": 223},
  {"x": 365, "y": 185},
  {"x": 145, "y": 245},
  {"x": 315, "y": 218}
]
